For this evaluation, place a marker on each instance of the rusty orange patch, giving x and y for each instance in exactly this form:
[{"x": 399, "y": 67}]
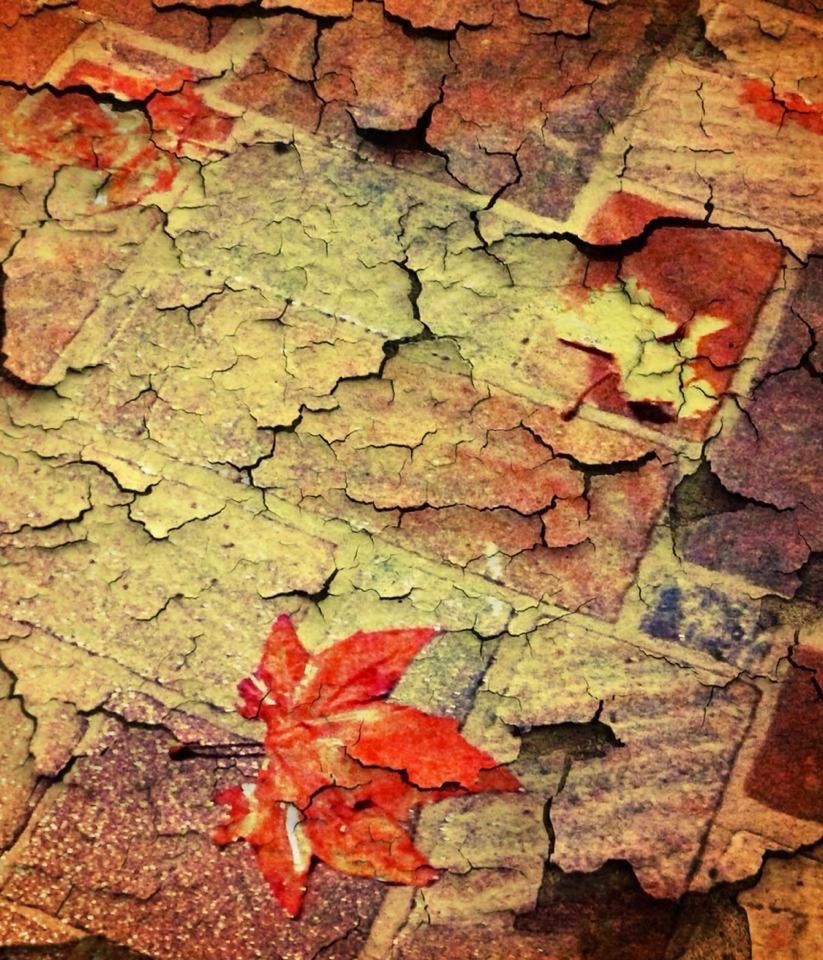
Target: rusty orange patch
[{"x": 788, "y": 772}]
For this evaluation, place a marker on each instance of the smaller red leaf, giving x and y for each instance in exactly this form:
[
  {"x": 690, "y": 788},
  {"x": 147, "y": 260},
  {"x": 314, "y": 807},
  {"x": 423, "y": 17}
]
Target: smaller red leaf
[{"x": 345, "y": 768}]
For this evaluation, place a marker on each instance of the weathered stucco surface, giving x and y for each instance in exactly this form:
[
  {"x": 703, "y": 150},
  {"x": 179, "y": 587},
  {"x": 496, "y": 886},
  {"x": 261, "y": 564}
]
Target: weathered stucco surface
[{"x": 496, "y": 316}]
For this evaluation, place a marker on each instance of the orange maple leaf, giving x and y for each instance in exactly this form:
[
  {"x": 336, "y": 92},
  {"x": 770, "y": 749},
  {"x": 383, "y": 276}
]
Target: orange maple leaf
[{"x": 343, "y": 768}]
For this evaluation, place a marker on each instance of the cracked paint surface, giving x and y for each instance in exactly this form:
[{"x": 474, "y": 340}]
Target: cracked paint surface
[{"x": 497, "y": 317}]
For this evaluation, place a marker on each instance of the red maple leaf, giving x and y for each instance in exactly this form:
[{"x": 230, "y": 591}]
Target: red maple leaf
[{"x": 344, "y": 768}]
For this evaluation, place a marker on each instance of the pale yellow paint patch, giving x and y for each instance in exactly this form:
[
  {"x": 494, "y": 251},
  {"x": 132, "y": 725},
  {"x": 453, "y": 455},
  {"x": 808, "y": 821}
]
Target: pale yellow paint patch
[{"x": 621, "y": 321}]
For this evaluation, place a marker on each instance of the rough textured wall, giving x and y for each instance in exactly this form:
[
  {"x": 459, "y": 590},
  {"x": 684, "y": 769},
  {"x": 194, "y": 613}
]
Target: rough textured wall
[{"x": 493, "y": 316}]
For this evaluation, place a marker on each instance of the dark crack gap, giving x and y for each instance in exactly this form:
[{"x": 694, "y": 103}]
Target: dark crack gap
[{"x": 251, "y": 10}]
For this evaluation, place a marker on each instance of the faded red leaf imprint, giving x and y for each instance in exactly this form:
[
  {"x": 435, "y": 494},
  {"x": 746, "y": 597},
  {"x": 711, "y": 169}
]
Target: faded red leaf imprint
[{"x": 344, "y": 768}]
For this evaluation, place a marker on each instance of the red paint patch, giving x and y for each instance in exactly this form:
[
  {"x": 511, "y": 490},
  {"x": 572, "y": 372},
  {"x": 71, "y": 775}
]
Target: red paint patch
[
  {"x": 778, "y": 108},
  {"x": 184, "y": 119},
  {"x": 724, "y": 273},
  {"x": 74, "y": 130},
  {"x": 788, "y": 772},
  {"x": 688, "y": 272}
]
